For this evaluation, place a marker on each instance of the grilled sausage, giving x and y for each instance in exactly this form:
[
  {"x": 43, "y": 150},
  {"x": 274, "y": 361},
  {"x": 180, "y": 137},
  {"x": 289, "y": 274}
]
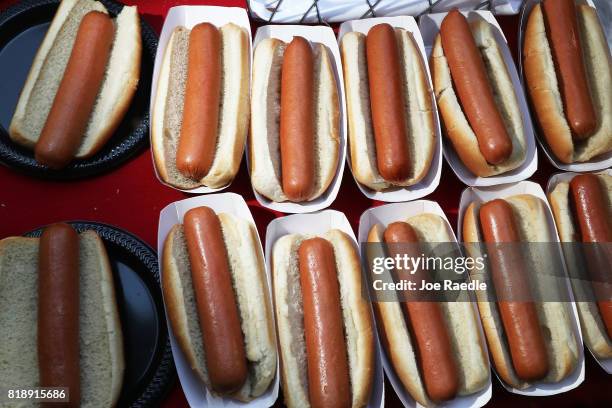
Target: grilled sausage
[
  {"x": 328, "y": 371},
  {"x": 564, "y": 38},
  {"x": 387, "y": 103},
  {"x": 297, "y": 121},
  {"x": 198, "y": 138},
  {"x": 435, "y": 354},
  {"x": 58, "y": 310},
  {"x": 470, "y": 80},
  {"x": 217, "y": 309},
  {"x": 74, "y": 101},
  {"x": 594, "y": 220},
  {"x": 516, "y": 307}
]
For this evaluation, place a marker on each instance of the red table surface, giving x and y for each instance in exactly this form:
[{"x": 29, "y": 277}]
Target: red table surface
[{"x": 131, "y": 197}]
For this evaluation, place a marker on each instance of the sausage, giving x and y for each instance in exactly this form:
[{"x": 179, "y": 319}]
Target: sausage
[
  {"x": 434, "y": 351},
  {"x": 470, "y": 80},
  {"x": 564, "y": 38},
  {"x": 217, "y": 309},
  {"x": 328, "y": 371},
  {"x": 297, "y": 121},
  {"x": 387, "y": 103},
  {"x": 591, "y": 207},
  {"x": 199, "y": 128},
  {"x": 74, "y": 101},
  {"x": 593, "y": 217},
  {"x": 518, "y": 312},
  {"x": 58, "y": 310}
]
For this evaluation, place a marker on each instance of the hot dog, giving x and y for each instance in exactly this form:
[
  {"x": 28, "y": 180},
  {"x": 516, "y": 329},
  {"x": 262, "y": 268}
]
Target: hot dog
[
  {"x": 200, "y": 109},
  {"x": 420, "y": 335},
  {"x": 581, "y": 206},
  {"x": 566, "y": 61},
  {"x": 58, "y": 310},
  {"x": 80, "y": 83},
  {"x": 591, "y": 208},
  {"x": 389, "y": 107},
  {"x": 328, "y": 373},
  {"x": 297, "y": 121},
  {"x": 74, "y": 101},
  {"x": 476, "y": 96},
  {"x": 198, "y": 138},
  {"x": 508, "y": 270},
  {"x": 212, "y": 266},
  {"x": 217, "y": 309},
  {"x": 387, "y": 103},
  {"x": 473, "y": 88},
  {"x": 433, "y": 344},
  {"x": 593, "y": 216},
  {"x": 528, "y": 326},
  {"x": 59, "y": 319},
  {"x": 564, "y": 37},
  {"x": 323, "y": 322},
  {"x": 294, "y": 139}
]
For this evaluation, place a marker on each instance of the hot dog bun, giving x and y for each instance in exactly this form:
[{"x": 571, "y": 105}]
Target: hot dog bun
[
  {"x": 357, "y": 319},
  {"x": 593, "y": 328},
  {"x": 419, "y": 112},
  {"x": 461, "y": 321},
  {"x": 101, "y": 341},
  {"x": 455, "y": 122},
  {"x": 249, "y": 281},
  {"x": 542, "y": 83},
  {"x": 233, "y": 112},
  {"x": 117, "y": 89},
  {"x": 264, "y": 139},
  {"x": 555, "y": 317}
]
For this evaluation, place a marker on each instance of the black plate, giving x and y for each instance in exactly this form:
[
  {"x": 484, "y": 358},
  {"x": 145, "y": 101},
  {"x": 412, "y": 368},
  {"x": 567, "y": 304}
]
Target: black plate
[
  {"x": 22, "y": 29},
  {"x": 149, "y": 367}
]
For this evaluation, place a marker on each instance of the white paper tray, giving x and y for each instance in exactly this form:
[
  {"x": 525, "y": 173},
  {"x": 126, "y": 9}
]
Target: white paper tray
[
  {"x": 325, "y": 36},
  {"x": 430, "y": 25},
  {"x": 190, "y": 16},
  {"x": 432, "y": 179},
  {"x": 196, "y": 392},
  {"x": 471, "y": 194}
]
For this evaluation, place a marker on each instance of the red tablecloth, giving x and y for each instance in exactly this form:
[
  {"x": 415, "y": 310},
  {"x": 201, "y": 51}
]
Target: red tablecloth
[{"x": 131, "y": 197}]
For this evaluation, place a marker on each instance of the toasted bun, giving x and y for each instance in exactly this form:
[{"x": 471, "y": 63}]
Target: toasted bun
[
  {"x": 593, "y": 328},
  {"x": 357, "y": 318},
  {"x": 455, "y": 122},
  {"x": 117, "y": 89},
  {"x": 251, "y": 289},
  {"x": 420, "y": 124},
  {"x": 233, "y": 112},
  {"x": 461, "y": 322},
  {"x": 101, "y": 340},
  {"x": 264, "y": 143},
  {"x": 543, "y": 86},
  {"x": 555, "y": 317}
]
